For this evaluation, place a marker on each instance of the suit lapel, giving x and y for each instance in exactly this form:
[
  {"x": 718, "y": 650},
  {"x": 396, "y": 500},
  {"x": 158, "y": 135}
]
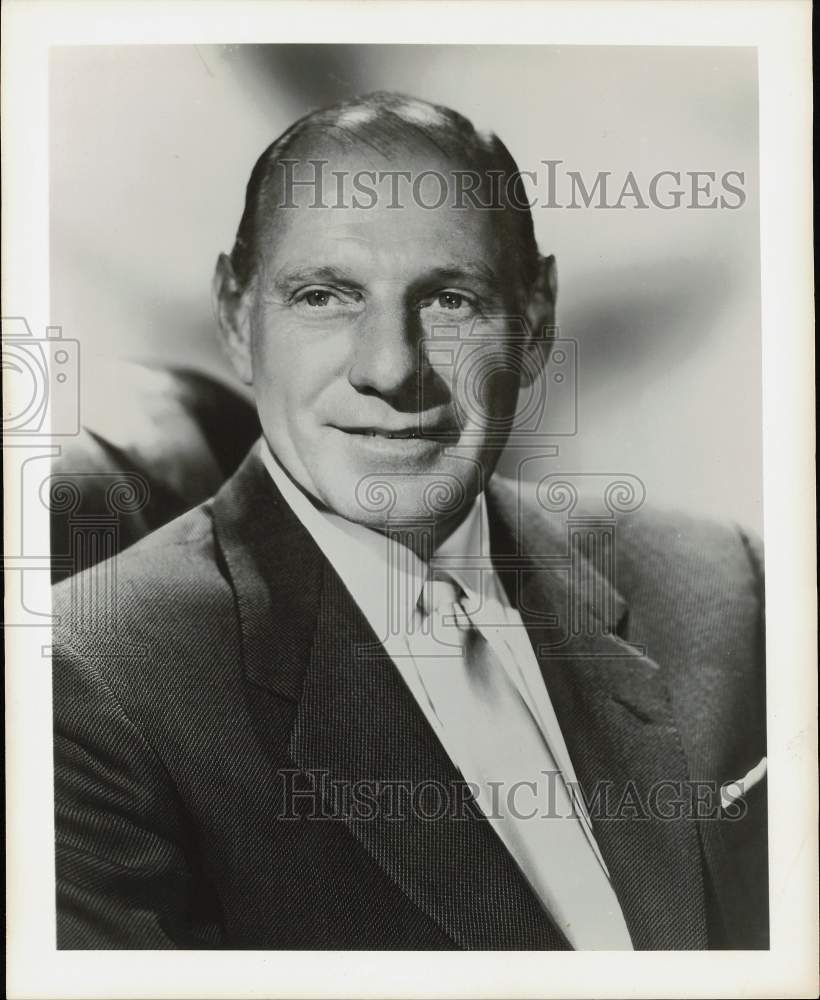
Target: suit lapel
[
  {"x": 304, "y": 638},
  {"x": 358, "y": 722},
  {"x": 276, "y": 573},
  {"x": 614, "y": 711}
]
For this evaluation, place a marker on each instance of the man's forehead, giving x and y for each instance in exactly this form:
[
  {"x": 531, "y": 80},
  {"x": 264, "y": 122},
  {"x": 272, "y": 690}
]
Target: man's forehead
[
  {"x": 365, "y": 176},
  {"x": 367, "y": 261},
  {"x": 381, "y": 243},
  {"x": 381, "y": 226},
  {"x": 343, "y": 208}
]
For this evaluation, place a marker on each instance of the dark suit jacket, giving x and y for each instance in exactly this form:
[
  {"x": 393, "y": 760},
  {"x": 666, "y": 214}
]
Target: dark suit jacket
[{"x": 218, "y": 665}]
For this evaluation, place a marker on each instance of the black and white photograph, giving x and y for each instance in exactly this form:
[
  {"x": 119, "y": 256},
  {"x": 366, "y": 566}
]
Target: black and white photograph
[{"x": 399, "y": 544}]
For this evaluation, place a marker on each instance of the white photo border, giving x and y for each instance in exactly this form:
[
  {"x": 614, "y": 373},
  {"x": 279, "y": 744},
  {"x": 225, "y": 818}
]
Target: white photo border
[{"x": 781, "y": 32}]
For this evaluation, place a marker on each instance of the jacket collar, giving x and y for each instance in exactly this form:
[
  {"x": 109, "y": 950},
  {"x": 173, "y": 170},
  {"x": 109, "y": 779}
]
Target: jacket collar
[{"x": 304, "y": 638}]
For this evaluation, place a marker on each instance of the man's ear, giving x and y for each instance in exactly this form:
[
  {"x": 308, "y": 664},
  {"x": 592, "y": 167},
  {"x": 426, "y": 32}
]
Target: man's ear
[
  {"x": 231, "y": 305},
  {"x": 540, "y": 316}
]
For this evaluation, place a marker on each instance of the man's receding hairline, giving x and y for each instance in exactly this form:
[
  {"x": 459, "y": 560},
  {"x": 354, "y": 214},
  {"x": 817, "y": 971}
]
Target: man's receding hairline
[
  {"x": 372, "y": 120},
  {"x": 328, "y": 143}
]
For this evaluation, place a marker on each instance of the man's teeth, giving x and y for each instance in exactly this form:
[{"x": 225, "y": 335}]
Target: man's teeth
[{"x": 398, "y": 434}]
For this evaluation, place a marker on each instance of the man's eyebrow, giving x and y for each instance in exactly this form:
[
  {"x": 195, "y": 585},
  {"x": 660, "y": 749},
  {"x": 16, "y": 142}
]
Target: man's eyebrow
[
  {"x": 305, "y": 274},
  {"x": 474, "y": 270},
  {"x": 471, "y": 271}
]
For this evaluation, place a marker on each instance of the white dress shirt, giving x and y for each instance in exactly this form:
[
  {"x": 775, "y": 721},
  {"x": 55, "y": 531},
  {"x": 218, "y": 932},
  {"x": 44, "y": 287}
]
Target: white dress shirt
[{"x": 386, "y": 579}]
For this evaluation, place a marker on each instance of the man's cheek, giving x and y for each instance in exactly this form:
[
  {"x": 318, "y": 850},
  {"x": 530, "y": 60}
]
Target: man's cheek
[{"x": 485, "y": 387}]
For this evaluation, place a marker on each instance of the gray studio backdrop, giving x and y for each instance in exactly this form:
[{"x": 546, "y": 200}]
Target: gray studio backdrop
[{"x": 151, "y": 147}]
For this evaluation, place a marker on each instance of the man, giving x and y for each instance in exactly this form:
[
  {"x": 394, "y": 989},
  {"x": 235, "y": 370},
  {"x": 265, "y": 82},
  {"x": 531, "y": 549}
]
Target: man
[{"x": 357, "y": 699}]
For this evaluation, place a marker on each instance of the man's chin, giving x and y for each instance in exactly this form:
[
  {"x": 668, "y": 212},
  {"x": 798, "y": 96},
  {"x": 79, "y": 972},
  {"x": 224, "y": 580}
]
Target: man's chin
[{"x": 401, "y": 496}]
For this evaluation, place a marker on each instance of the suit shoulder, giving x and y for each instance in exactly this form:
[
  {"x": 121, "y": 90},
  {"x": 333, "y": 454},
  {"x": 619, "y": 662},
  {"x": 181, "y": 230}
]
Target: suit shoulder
[
  {"x": 162, "y": 574},
  {"x": 672, "y": 548},
  {"x": 655, "y": 548}
]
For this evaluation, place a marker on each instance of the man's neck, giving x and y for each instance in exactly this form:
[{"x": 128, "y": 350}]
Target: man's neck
[{"x": 423, "y": 540}]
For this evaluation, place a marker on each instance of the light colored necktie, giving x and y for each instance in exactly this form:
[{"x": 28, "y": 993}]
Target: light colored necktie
[{"x": 499, "y": 745}]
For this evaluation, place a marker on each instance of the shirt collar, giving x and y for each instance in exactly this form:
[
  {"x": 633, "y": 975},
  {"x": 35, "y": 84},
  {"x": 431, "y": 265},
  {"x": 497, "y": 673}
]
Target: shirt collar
[{"x": 465, "y": 554}]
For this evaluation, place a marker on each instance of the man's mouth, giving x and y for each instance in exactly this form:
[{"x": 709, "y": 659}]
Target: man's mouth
[
  {"x": 440, "y": 433},
  {"x": 392, "y": 435}
]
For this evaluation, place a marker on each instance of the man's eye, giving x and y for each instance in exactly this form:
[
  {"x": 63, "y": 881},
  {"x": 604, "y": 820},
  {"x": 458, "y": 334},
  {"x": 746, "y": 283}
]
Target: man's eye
[
  {"x": 451, "y": 300},
  {"x": 331, "y": 299},
  {"x": 317, "y": 298}
]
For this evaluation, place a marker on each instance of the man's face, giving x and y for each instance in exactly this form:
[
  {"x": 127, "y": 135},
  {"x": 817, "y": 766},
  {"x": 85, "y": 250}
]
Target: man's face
[{"x": 384, "y": 369}]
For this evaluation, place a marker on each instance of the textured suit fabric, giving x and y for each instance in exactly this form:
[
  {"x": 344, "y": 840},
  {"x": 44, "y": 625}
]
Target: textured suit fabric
[{"x": 219, "y": 665}]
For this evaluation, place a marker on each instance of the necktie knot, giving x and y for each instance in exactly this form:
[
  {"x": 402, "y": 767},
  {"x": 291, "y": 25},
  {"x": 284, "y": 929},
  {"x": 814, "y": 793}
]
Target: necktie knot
[{"x": 440, "y": 595}]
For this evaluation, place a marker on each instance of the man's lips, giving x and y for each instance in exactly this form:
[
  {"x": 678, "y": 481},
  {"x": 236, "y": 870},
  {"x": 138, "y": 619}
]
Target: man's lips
[{"x": 439, "y": 432}]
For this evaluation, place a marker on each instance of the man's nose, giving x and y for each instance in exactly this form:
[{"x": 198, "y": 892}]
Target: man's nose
[{"x": 387, "y": 354}]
